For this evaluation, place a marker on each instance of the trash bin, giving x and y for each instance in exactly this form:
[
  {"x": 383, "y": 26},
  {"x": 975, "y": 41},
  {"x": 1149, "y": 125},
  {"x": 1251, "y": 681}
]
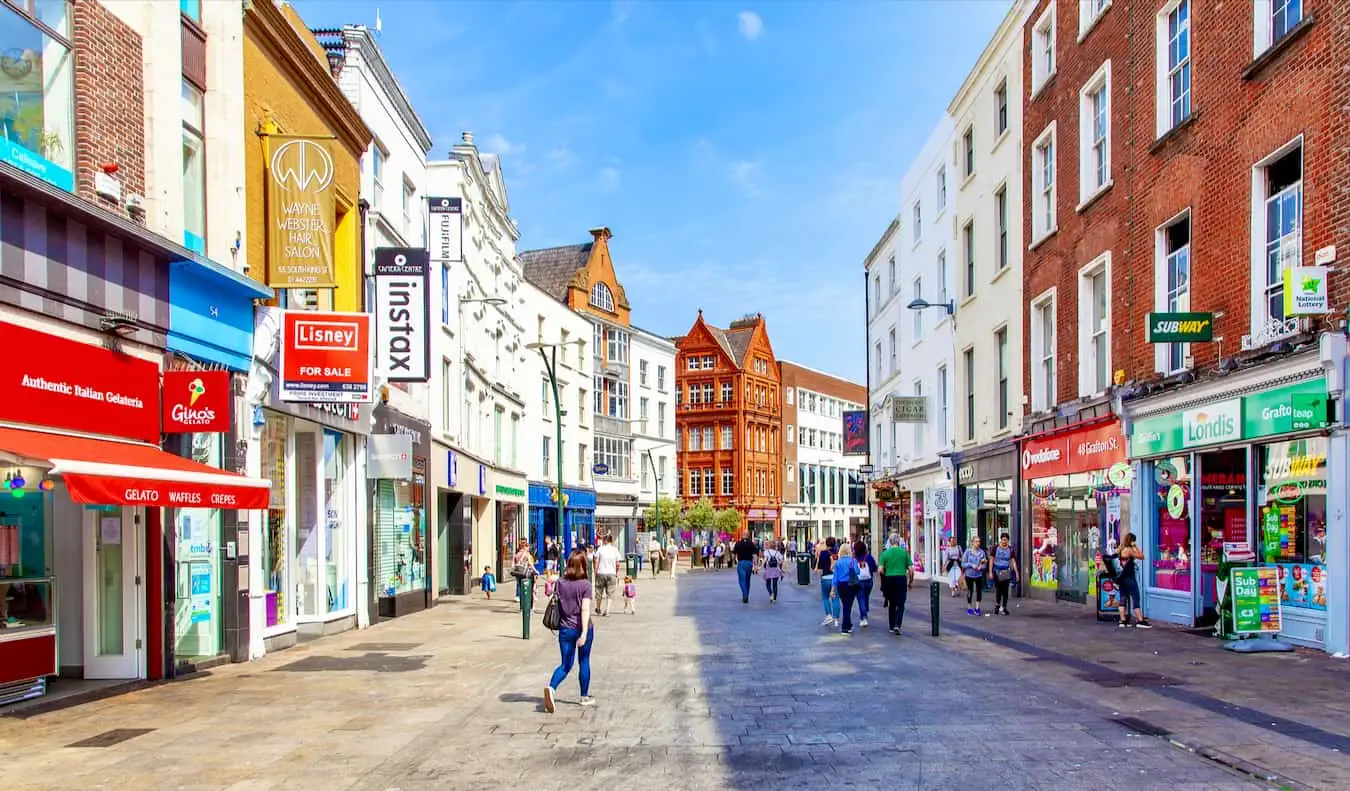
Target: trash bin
[
  {"x": 803, "y": 569},
  {"x": 631, "y": 564}
]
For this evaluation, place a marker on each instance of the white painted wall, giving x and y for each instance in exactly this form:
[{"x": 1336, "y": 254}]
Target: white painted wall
[
  {"x": 656, "y": 434},
  {"x": 827, "y": 420},
  {"x": 997, "y": 301},
  {"x": 553, "y": 322}
]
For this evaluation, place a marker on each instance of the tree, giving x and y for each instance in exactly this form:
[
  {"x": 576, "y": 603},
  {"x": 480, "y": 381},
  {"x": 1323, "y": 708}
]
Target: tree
[
  {"x": 728, "y": 521},
  {"x": 668, "y": 517},
  {"x": 700, "y": 517}
]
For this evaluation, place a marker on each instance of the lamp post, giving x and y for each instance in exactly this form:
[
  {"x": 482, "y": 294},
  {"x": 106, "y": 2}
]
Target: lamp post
[
  {"x": 548, "y": 352},
  {"x": 950, "y": 306}
]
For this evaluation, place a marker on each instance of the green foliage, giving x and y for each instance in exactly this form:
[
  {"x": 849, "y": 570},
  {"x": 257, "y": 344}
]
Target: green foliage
[
  {"x": 669, "y": 514},
  {"x": 700, "y": 515},
  {"x": 728, "y": 520}
]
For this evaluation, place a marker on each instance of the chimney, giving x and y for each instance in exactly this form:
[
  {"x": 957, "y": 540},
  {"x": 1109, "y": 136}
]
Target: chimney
[
  {"x": 601, "y": 234},
  {"x": 467, "y": 137}
]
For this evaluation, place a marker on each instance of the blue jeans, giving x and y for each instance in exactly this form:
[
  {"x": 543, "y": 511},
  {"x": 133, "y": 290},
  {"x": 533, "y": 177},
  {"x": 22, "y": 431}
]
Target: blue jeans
[
  {"x": 831, "y": 605},
  {"x": 743, "y": 571},
  {"x": 864, "y": 594},
  {"x": 567, "y": 643}
]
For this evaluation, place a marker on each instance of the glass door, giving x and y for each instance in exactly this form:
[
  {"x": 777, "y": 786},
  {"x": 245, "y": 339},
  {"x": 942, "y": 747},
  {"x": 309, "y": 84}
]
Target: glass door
[
  {"x": 112, "y": 594},
  {"x": 1223, "y": 512}
]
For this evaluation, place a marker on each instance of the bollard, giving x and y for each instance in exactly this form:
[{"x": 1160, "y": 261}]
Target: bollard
[
  {"x": 934, "y": 603},
  {"x": 526, "y": 602}
]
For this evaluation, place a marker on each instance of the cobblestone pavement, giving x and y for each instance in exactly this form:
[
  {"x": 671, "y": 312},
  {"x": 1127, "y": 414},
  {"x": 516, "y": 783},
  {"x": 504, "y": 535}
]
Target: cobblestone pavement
[{"x": 696, "y": 691}]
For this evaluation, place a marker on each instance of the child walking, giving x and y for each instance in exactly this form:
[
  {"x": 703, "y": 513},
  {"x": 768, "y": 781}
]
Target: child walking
[
  {"x": 629, "y": 595},
  {"x": 489, "y": 582}
]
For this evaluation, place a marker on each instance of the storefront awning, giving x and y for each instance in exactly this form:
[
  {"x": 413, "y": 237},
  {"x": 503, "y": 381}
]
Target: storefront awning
[{"x": 107, "y": 472}]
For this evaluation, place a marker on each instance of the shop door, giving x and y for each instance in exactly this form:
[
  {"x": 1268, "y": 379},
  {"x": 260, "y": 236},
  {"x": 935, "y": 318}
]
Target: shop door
[{"x": 113, "y": 593}]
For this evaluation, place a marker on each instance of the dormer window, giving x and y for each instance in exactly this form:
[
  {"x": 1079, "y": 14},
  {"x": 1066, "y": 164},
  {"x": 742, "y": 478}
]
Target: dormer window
[{"x": 602, "y": 297}]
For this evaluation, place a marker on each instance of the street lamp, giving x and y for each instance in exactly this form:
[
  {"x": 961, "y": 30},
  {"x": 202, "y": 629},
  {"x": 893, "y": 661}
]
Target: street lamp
[
  {"x": 923, "y": 304},
  {"x": 550, "y": 359}
]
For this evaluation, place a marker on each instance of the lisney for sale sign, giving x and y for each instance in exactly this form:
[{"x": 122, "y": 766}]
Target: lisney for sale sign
[
  {"x": 325, "y": 357},
  {"x": 402, "y": 314}
]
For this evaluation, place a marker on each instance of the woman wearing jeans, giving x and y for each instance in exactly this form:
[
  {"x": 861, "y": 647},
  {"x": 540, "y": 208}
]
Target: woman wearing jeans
[
  {"x": 846, "y": 586},
  {"x": 867, "y": 568},
  {"x": 576, "y": 633},
  {"x": 825, "y": 565},
  {"x": 975, "y": 564},
  {"x": 1005, "y": 573}
]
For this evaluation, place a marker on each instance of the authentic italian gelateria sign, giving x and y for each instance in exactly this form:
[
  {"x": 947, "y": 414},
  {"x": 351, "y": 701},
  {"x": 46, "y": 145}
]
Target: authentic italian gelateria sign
[
  {"x": 300, "y": 214},
  {"x": 1180, "y": 327}
]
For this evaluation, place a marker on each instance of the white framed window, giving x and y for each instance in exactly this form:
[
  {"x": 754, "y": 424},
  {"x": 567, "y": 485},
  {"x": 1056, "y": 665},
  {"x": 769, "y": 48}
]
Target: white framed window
[
  {"x": 1001, "y": 109},
  {"x": 728, "y": 391},
  {"x": 1089, "y": 11},
  {"x": 377, "y": 157},
  {"x": 1174, "y": 64},
  {"x": 642, "y": 374},
  {"x": 1043, "y": 219},
  {"x": 894, "y": 357},
  {"x": 1277, "y": 235},
  {"x": 1094, "y": 134},
  {"x": 661, "y": 378},
  {"x": 788, "y": 394},
  {"x": 1001, "y": 348},
  {"x": 616, "y": 345},
  {"x": 942, "y": 276},
  {"x": 707, "y": 437},
  {"x": 1001, "y": 219},
  {"x": 728, "y": 482},
  {"x": 1094, "y": 326},
  {"x": 890, "y": 266},
  {"x": 1043, "y": 49},
  {"x": 789, "y": 434},
  {"x": 194, "y": 169},
  {"x": 602, "y": 297},
  {"x": 944, "y": 408},
  {"x": 918, "y": 221},
  {"x": 660, "y": 418},
  {"x": 1172, "y": 285},
  {"x": 968, "y": 256},
  {"x": 1043, "y": 351},
  {"x": 919, "y": 428},
  {"x": 876, "y": 360},
  {"x": 968, "y": 364},
  {"x": 876, "y": 294},
  {"x": 941, "y": 190},
  {"x": 968, "y": 152},
  {"x": 917, "y": 293},
  {"x": 546, "y": 457},
  {"x": 1272, "y": 20}
]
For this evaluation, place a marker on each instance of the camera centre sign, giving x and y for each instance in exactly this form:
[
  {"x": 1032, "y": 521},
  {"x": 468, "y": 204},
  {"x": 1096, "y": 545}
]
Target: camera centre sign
[{"x": 402, "y": 314}]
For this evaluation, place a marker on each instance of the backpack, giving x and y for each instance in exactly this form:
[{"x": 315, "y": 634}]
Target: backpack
[
  {"x": 773, "y": 560},
  {"x": 853, "y": 578}
]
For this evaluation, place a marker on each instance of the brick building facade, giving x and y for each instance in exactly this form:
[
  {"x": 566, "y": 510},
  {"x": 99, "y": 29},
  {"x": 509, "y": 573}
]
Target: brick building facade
[{"x": 728, "y": 420}]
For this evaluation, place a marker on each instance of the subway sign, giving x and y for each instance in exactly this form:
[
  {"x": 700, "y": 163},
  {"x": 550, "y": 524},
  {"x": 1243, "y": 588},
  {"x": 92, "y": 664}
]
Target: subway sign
[{"x": 1180, "y": 327}]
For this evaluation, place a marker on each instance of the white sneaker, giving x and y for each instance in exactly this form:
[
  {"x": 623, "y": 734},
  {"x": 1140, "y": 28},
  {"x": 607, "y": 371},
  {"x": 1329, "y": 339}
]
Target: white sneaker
[
  {"x": 829, "y": 621},
  {"x": 863, "y": 622},
  {"x": 587, "y": 701}
]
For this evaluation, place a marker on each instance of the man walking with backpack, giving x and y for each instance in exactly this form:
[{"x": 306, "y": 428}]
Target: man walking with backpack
[{"x": 746, "y": 552}]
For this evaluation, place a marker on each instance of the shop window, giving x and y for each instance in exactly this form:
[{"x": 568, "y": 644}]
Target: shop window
[
  {"x": 194, "y": 170},
  {"x": 197, "y": 619},
  {"x": 1291, "y": 503},
  {"x": 1072, "y": 517},
  {"x": 277, "y": 602},
  {"x": 1172, "y": 549},
  {"x": 26, "y": 548},
  {"x": 36, "y": 91}
]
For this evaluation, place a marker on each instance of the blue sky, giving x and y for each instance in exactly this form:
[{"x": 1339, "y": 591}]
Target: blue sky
[{"x": 746, "y": 156}]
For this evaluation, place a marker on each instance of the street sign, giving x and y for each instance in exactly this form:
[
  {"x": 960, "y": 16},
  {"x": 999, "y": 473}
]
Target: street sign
[
  {"x": 1256, "y": 600},
  {"x": 867, "y": 469},
  {"x": 1180, "y": 327},
  {"x": 600, "y": 468}
]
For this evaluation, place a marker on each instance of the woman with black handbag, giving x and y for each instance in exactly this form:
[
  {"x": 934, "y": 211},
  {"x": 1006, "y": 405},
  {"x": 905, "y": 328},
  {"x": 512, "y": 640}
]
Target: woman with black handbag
[
  {"x": 1005, "y": 572},
  {"x": 571, "y": 606},
  {"x": 522, "y": 568}
]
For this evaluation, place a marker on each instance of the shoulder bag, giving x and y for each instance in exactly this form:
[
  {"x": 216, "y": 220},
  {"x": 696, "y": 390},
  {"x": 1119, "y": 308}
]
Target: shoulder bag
[{"x": 553, "y": 611}]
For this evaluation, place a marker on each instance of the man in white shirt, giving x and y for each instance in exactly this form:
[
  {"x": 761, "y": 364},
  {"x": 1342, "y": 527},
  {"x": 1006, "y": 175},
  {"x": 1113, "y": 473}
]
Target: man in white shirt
[
  {"x": 607, "y": 560},
  {"x": 654, "y": 554}
]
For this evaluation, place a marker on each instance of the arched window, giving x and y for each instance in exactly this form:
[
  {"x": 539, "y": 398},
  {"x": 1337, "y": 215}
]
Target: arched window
[{"x": 602, "y": 297}]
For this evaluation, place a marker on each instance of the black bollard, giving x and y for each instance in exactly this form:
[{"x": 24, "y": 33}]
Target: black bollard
[{"x": 934, "y": 603}]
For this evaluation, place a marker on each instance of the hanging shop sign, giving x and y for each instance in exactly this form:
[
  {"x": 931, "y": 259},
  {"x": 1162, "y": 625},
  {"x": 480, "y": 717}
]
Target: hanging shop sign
[
  {"x": 1305, "y": 291},
  {"x": 300, "y": 214},
  {"x": 402, "y": 314},
  {"x": 196, "y": 401},
  {"x": 1302, "y": 406},
  {"x": 909, "y": 409},
  {"x": 48, "y": 380},
  {"x": 1256, "y": 600},
  {"x": 1180, "y": 327},
  {"x": 325, "y": 357},
  {"x": 855, "y": 433},
  {"x": 1089, "y": 449},
  {"x": 447, "y": 230},
  {"x": 389, "y": 457}
]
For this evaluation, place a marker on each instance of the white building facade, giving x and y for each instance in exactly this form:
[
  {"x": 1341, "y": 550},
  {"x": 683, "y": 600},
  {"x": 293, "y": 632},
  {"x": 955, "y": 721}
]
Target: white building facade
[
  {"x": 653, "y": 383},
  {"x": 824, "y": 490}
]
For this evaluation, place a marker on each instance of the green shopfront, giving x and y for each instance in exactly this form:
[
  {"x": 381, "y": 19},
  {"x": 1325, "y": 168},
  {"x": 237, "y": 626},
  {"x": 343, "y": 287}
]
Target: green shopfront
[{"x": 1248, "y": 464}]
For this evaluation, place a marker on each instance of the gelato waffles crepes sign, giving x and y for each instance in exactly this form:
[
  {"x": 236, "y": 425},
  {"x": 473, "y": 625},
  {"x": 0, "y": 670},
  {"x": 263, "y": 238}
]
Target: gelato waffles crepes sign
[
  {"x": 196, "y": 401},
  {"x": 300, "y": 214}
]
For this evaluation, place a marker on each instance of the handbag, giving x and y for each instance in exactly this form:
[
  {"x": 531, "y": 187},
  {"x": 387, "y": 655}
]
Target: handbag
[
  {"x": 1004, "y": 575},
  {"x": 553, "y": 613},
  {"x": 521, "y": 571}
]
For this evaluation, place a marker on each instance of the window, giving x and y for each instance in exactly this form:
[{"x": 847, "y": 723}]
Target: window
[
  {"x": 876, "y": 360},
  {"x": 192, "y": 9},
  {"x": 515, "y": 436},
  {"x": 377, "y": 156},
  {"x": 1001, "y": 217},
  {"x": 918, "y": 314},
  {"x": 788, "y": 395},
  {"x": 409, "y": 201},
  {"x": 1001, "y": 346},
  {"x": 918, "y": 221},
  {"x": 1089, "y": 11},
  {"x": 801, "y": 435},
  {"x": 693, "y": 439},
  {"x": 497, "y": 417},
  {"x": 1043, "y": 49},
  {"x": 445, "y": 294},
  {"x": 1277, "y": 221},
  {"x": 1043, "y": 352},
  {"x": 645, "y": 483},
  {"x": 968, "y": 149},
  {"x": 968, "y": 252},
  {"x": 614, "y": 453},
  {"x": 616, "y": 344},
  {"x": 1174, "y": 65},
  {"x": 544, "y": 391},
  {"x": 892, "y": 347},
  {"x": 1174, "y": 285},
  {"x": 891, "y": 273},
  {"x": 547, "y": 457},
  {"x": 729, "y": 480},
  {"x": 695, "y": 484},
  {"x": 446, "y": 411},
  {"x": 642, "y": 374},
  {"x": 728, "y": 392},
  {"x": 727, "y": 437},
  {"x": 811, "y": 439},
  {"x": 968, "y": 358},
  {"x": 707, "y": 392},
  {"x": 661, "y": 470},
  {"x": 1094, "y": 324},
  {"x": 36, "y": 105},
  {"x": 661, "y": 378},
  {"x": 919, "y": 428},
  {"x": 581, "y": 406},
  {"x": 602, "y": 297},
  {"x": 709, "y": 361},
  {"x": 1273, "y": 19},
  {"x": 1043, "y": 184},
  {"x": 642, "y": 411},
  {"x": 618, "y": 399},
  {"x": 1094, "y": 134},
  {"x": 194, "y": 170},
  {"x": 941, "y": 195},
  {"x": 942, "y": 277},
  {"x": 876, "y": 293},
  {"x": 708, "y": 482},
  {"x": 1001, "y": 108},
  {"x": 943, "y": 407},
  {"x": 788, "y": 434},
  {"x": 599, "y": 383},
  {"x": 661, "y": 418}
]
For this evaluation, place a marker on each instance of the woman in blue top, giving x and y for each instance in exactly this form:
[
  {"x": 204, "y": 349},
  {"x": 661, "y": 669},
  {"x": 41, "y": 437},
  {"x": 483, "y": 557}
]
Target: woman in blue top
[
  {"x": 867, "y": 569},
  {"x": 974, "y": 563},
  {"x": 847, "y": 585},
  {"x": 1005, "y": 572}
]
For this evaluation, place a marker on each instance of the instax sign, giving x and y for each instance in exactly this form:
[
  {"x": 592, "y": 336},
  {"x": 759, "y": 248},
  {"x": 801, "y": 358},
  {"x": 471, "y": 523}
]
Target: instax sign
[{"x": 402, "y": 314}]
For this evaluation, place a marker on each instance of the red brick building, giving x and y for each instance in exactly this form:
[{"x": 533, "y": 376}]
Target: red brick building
[{"x": 728, "y": 420}]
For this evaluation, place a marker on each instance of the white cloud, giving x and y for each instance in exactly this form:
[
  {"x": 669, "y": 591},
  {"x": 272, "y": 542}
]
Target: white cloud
[
  {"x": 751, "y": 25},
  {"x": 498, "y": 144},
  {"x": 610, "y": 177},
  {"x": 562, "y": 158},
  {"x": 745, "y": 174}
]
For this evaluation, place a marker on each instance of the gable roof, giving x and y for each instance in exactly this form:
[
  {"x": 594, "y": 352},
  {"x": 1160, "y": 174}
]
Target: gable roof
[
  {"x": 554, "y": 268},
  {"x": 739, "y": 339}
]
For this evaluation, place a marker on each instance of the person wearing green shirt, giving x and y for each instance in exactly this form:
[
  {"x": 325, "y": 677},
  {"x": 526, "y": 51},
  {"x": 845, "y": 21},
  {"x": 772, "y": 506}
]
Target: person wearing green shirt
[{"x": 897, "y": 574}]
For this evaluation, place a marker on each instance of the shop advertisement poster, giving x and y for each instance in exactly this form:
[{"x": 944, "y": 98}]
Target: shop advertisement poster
[
  {"x": 1303, "y": 585},
  {"x": 325, "y": 357},
  {"x": 402, "y": 314},
  {"x": 300, "y": 214},
  {"x": 196, "y": 402},
  {"x": 447, "y": 229},
  {"x": 1256, "y": 600},
  {"x": 201, "y": 592}
]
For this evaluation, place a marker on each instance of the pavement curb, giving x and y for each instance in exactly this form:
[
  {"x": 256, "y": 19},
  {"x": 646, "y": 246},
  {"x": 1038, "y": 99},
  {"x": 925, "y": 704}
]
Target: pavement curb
[{"x": 1239, "y": 765}]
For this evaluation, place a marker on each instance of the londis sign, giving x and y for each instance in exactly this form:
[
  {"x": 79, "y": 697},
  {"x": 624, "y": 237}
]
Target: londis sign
[{"x": 1180, "y": 327}]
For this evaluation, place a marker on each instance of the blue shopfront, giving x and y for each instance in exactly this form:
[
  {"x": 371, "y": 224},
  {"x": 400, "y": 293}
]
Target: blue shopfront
[
  {"x": 211, "y": 335},
  {"x": 578, "y": 517}
]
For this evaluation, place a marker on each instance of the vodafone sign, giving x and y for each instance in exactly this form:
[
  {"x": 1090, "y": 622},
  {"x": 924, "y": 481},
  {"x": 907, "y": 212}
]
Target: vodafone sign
[
  {"x": 325, "y": 357},
  {"x": 196, "y": 401},
  {"x": 1084, "y": 450},
  {"x": 48, "y": 380}
]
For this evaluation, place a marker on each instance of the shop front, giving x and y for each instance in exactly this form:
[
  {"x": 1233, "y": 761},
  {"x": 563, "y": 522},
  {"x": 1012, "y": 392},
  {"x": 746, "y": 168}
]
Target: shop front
[
  {"x": 452, "y": 544},
  {"x": 925, "y": 515},
  {"x": 1076, "y": 499},
  {"x": 1248, "y": 466},
  {"x": 396, "y": 468},
  {"x": 83, "y": 504},
  {"x": 762, "y": 523},
  {"x": 507, "y": 492},
  {"x": 988, "y": 496},
  {"x": 616, "y": 514},
  {"x": 578, "y": 517}
]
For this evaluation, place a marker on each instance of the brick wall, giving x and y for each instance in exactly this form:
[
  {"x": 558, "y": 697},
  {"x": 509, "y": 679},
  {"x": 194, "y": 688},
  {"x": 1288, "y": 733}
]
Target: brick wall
[
  {"x": 109, "y": 102},
  {"x": 1240, "y": 116}
]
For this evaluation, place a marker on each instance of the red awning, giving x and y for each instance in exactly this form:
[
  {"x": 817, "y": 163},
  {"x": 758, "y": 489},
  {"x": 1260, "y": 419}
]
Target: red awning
[{"x": 107, "y": 472}]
